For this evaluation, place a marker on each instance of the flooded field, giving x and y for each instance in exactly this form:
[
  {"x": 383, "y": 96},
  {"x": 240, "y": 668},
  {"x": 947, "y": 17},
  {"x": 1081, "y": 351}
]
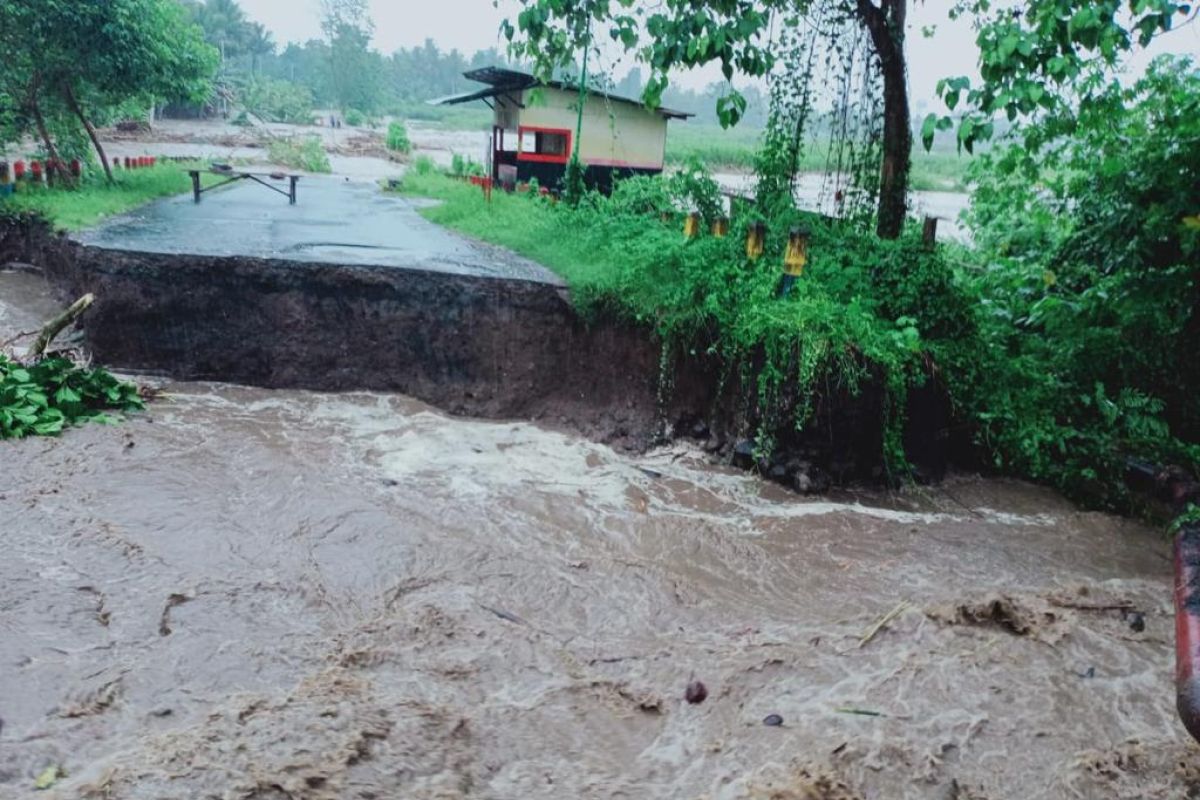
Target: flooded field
[{"x": 253, "y": 594}]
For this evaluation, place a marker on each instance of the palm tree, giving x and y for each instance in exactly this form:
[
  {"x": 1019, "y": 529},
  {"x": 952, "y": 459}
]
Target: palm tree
[
  {"x": 225, "y": 25},
  {"x": 259, "y": 43}
]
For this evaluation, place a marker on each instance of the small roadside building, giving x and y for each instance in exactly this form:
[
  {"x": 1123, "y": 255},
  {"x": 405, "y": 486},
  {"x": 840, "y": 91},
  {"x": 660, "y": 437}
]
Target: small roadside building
[{"x": 533, "y": 130}]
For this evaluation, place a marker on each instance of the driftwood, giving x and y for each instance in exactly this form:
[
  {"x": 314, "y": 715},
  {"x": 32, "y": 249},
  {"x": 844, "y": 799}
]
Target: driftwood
[
  {"x": 55, "y": 326},
  {"x": 874, "y": 630}
]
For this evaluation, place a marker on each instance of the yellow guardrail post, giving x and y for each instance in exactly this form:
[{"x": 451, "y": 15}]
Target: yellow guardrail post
[
  {"x": 756, "y": 239},
  {"x": 795, "y": 258}
]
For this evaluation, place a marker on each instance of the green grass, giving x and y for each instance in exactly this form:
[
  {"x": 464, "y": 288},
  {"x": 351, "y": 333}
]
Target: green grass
[
  {"x": 734, "y": 150},
  {"x": 718, "y": 149},
  {"x": 518, "y": 223},
  {"x": 95, "y": 199}
]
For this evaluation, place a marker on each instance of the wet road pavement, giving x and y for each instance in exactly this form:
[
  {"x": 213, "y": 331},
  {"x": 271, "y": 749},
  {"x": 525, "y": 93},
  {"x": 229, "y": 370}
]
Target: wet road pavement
[{"x": 334, "y": 221}]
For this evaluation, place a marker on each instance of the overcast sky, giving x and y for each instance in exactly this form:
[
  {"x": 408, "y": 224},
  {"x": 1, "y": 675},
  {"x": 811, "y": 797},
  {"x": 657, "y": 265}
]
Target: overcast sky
[{"x": 470, "y": 25}]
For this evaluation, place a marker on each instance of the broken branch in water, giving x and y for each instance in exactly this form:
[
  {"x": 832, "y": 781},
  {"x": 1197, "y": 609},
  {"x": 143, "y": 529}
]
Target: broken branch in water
[
  {"x": 1123, "y": 605},
  {"x": 55, "y": 326}
]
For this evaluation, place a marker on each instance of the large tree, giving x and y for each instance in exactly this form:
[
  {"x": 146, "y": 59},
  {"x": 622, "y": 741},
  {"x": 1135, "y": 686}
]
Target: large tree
[
  {"x": 682, "y": 34},
  {"x": 354, "y": 68},
  {"x": 99, "y": 54}
]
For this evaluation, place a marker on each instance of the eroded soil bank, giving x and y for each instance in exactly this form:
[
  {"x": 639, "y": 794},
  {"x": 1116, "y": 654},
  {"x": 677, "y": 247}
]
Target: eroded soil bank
[
  {"x": 247, "y": 593},
  {"x": 471, "y": 344}
]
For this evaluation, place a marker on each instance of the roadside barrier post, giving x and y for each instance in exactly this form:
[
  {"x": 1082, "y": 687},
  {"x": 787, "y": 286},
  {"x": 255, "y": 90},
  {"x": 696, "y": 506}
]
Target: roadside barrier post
[
  {"x": 794, "y": 259},
  {"x": 929, "y": 232},
  {"x": 720, "y": 227},
  {"x": 691, "y": 226},
  {"x": 756, "y": 239}
]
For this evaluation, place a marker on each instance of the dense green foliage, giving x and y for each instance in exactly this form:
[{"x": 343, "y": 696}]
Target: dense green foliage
[
  {"x": 277, "y": 101},
  {"x": 1065, "y": 337},
  {"x": 44, "y": 397},
  {"x": 94, "y": 199},
  {"x": 621, "y": 257},
  {"x": 1088, "y": 270},
  {"x": 340, "y": 71},
  {"x": 63, "y": 62},
  {"x": 300, "y": 152},
  {"x": 1050, "y": 61}
]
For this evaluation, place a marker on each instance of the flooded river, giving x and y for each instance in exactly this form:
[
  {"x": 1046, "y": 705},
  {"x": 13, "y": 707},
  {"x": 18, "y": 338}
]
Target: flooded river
[{"x": 262, "y": 594}]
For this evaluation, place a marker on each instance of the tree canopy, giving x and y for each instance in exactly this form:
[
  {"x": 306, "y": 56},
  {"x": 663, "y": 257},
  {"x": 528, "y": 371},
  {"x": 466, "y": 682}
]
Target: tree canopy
[{"x": 62, "y": 57}]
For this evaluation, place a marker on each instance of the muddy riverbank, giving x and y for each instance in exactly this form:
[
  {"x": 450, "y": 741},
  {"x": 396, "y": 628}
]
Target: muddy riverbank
[
  {"x": 478, "y": 332},
  {"x": 266, "y": 594}
]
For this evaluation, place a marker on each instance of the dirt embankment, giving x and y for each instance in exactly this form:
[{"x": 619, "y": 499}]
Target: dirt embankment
[{"x": 470, "y": 345}]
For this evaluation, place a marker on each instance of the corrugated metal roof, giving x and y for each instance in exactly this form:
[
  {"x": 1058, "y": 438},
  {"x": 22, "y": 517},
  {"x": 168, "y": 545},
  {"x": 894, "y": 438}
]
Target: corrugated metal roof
[{"x": 501, "y": 81}]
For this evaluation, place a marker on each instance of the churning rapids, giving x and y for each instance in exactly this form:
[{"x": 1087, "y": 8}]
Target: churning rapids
[{"x": 253, "y": 594}]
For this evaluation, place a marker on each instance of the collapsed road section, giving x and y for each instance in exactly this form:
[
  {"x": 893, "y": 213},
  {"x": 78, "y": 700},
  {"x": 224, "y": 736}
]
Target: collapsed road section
[{"x": 352, "y": 289}]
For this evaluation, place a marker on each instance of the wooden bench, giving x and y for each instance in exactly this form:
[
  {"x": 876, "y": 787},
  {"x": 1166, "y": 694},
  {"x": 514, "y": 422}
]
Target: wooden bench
[{"x": 233, "y": 175}]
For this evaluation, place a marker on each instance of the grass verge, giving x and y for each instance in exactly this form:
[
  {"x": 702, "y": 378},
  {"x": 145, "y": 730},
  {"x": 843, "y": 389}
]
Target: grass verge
[{"x": 95, "y": 199}]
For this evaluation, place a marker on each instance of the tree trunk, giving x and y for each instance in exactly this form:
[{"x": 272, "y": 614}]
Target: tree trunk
[
  {"x": 886, "y": 26},
  {"x": 55, "y": 162},
  {"x": 73, "y": 104}
]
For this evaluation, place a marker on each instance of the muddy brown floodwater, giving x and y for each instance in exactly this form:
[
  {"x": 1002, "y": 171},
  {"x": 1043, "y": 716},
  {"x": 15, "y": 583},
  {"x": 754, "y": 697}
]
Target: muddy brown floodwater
[{"x": 271, "y": 594}]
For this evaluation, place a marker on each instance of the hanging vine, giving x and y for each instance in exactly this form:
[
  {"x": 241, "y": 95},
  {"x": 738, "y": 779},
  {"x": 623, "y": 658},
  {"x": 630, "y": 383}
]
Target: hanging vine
[{"x": 824, "y": 46}]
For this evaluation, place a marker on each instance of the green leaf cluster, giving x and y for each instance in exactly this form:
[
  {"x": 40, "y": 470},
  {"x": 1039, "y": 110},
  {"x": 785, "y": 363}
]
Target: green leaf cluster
[
  {"x": 1048, "y": 61},
  {"x": 43, "y": 398}
]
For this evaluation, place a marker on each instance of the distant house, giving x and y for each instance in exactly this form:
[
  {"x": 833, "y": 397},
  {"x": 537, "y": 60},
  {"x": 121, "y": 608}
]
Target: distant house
[{"x": 533, "y": 130}]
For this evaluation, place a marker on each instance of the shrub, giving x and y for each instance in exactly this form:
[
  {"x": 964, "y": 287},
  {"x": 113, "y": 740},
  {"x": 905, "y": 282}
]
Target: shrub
[
  {"x": 397, "y": 138},
  {"x": 355, "y": 118},
  {"x": 423, "y": 165},
  {"x": 461, "y": 167}
]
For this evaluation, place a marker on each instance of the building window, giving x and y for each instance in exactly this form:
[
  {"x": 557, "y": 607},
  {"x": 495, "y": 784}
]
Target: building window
[{"x": 551, "y": 145}]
